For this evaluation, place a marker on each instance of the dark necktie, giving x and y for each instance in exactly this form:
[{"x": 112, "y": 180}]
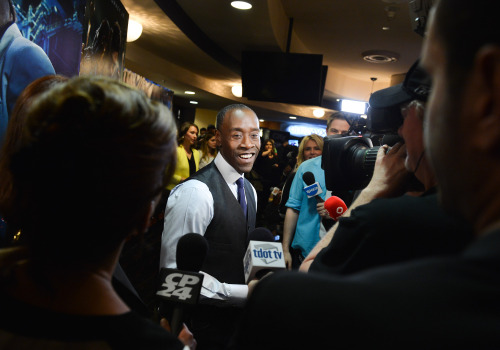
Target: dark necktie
[{"x": 241, "y": 195}]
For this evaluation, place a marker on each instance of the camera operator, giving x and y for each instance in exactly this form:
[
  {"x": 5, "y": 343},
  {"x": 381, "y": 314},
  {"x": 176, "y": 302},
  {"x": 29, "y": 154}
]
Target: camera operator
[{"x": 386, "y": 224}]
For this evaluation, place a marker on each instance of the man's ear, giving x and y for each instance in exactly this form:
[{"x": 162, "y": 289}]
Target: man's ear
[
  {"x": 487, "y": 69},
  {"x": 218, "y": 138}
]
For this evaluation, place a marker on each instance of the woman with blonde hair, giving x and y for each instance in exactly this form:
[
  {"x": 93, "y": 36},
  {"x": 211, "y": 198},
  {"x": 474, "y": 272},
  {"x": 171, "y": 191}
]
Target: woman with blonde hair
[{"x": 310, "y": 147}]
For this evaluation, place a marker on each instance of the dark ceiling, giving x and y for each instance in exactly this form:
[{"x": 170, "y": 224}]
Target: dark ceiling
[{"x": 197, "y": 45}]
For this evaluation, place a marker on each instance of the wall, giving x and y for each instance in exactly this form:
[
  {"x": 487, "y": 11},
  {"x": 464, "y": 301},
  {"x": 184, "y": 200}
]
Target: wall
[{"x": 203, "y": 117}]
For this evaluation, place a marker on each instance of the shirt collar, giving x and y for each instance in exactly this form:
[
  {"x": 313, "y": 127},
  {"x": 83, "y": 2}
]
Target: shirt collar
[{"x": 229, "y": 174}]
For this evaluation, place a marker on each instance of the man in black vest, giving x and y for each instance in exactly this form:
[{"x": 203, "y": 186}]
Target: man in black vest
[{"x": 219, "y": 203}]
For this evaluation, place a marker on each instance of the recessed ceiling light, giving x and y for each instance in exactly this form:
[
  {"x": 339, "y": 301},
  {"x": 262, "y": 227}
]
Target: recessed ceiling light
[
  {"x": 380, "y": 56},
  {"x": 193, "y": 102},
  {"x": 386, "y": 28},
  {"x": 292, "y": 117},
  {"x": 189, "y": 92},
  {"x": 261, "y": 120},
  {"x": 241, "y": 5},
  {"x": 318, "y": 113}
]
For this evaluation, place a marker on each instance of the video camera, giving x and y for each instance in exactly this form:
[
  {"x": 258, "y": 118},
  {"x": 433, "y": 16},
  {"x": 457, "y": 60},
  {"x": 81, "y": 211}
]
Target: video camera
[{"x": 348, "y": 161}]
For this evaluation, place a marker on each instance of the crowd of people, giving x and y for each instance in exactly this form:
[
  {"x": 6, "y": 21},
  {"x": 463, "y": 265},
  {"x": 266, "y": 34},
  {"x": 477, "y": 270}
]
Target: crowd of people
[{"x": 90, "y": 165}]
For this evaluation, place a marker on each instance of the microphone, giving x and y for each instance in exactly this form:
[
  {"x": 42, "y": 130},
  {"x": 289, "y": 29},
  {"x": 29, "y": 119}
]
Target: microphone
[
  {"x": 180, "y": 288},
  {"x": 335, "y": 207},
  {"x": 192, "y": 250},
  {"x": 313, "y": 189},
  {"x": 263, "y": 254}
]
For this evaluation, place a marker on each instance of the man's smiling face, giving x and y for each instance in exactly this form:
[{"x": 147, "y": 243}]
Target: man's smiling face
[{"x": 239, "y": 139}]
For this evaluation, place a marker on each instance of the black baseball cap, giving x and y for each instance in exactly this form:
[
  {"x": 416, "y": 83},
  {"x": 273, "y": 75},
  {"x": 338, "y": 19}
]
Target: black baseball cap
[{"x": 416, "y": 86}]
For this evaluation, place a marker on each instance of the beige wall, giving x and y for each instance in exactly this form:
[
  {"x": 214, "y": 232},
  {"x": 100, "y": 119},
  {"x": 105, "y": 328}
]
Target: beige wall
[{"x": 203, "y": 117}]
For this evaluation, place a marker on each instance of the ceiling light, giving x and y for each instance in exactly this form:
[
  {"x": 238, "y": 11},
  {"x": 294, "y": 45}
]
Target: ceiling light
[
  {"x": 292, "y": 117},
  {"x": 193, "y": 102},
  {"x": 386, "y": 28},
  {"x": 189, "y": 92},
  {"x": 237, "y": 90},
  {"x": 319, "y": 113},
  {"x": 241, "y": 5},
  {"x": 134, "y": 30},
  {"x": 261, "y": 120},
  {"x": 380, "y": 56}
]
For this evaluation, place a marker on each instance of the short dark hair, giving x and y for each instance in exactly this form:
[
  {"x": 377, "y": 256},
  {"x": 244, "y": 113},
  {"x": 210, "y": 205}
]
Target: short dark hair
[
  {"x": 222, "y": 113},
  {"x": 334, "y": 116}
]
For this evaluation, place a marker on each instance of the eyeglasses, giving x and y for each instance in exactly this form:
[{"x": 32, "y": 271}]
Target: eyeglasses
[{"x": 412, "y": 104}]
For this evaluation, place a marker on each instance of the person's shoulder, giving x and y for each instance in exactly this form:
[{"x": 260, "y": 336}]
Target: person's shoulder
[
  {"x": 22, "y": 46},
  {"x": 189, "y": 185},
  {"x": 27, "y": 56},
  {"x": 310, "y": 164}
]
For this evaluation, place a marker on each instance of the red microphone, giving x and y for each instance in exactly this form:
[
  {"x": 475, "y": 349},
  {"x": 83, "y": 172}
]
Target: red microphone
[{"x": 335, "y": 207}]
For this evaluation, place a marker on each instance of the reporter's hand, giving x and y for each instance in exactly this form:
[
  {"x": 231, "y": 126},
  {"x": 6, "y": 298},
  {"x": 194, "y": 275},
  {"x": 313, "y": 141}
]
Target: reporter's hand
[
  {"x": 185, "y": 335},
  {"x": 320, "y": 207},
  {"x": 253, "y": 283},
  {"x": 390, "y": 176}
]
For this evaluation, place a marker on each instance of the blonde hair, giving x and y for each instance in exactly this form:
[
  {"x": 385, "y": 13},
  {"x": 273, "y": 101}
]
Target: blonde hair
[{"x": 316, "y": 138}]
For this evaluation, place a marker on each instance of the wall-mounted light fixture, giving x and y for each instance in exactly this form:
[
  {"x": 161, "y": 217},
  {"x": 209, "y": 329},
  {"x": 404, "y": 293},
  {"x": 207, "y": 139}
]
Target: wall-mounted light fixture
[
  {"x": 237, "y": 90},
  {"x": 134, "y": 30}
]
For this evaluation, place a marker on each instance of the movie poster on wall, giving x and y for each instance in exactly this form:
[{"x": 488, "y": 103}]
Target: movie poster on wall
[
  {"x": 57, "y": 27},
  {"x": 104, "y": 38}
]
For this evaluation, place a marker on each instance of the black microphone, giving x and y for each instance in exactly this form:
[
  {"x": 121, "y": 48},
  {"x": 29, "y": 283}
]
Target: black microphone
[
  {"x": 263, "y": 254},
  {"x": 262, "y": 234},
  {"x": 179, "y": 289},
  {"x": 313, "y": 189},
  {"x": 192, "y": 250}
]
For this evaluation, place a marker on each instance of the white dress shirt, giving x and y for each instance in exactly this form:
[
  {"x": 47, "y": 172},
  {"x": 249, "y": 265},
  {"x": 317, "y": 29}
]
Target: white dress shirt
[{"x": 190, "y": 209}]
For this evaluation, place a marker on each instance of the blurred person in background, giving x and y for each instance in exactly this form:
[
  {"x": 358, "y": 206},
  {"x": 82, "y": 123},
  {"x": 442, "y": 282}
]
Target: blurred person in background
[
  {"x": 188, "y": 157},
  {"x": 208, "y": 149},
  {"x": 267, "y": 166}
]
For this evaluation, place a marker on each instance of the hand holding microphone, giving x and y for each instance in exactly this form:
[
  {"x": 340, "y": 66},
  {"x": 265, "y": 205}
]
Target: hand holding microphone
[
  {"x": 179, "y": 289},
  {"x": 313, "y": 189},
  {"x": 335, "y": 207},
  {"x": 263, "y": 255}
]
